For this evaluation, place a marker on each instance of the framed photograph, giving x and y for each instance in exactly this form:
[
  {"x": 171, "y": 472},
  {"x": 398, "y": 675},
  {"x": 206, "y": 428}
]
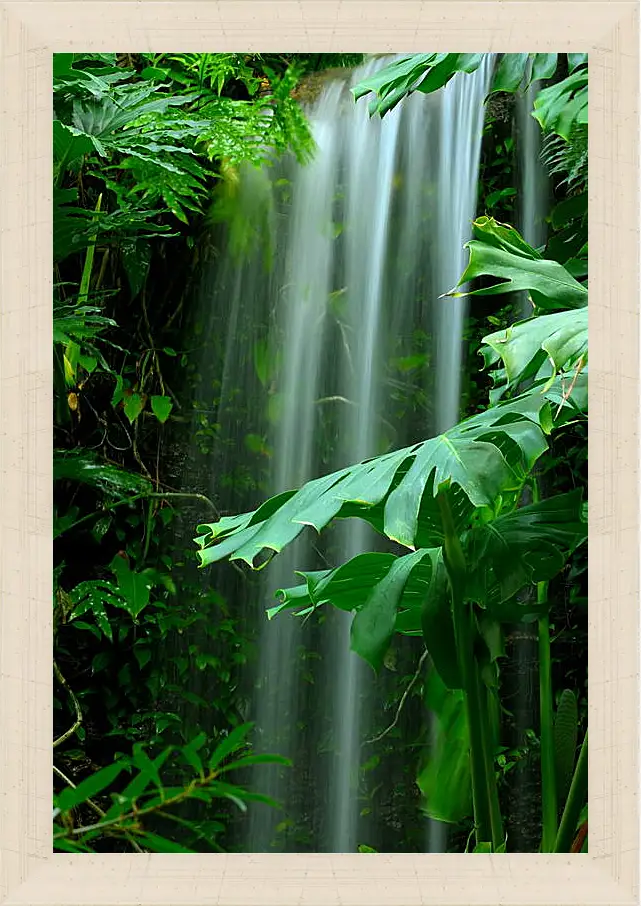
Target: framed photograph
[{"x": 312, "y": 452}]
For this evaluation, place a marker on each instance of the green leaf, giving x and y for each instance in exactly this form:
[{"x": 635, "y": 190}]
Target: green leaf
[
  {"x": 69, "y": 144},
  {"x": 249, "y": 760},
  {"x": 134, "y": 403},
  {"x": 521, "y": 548},
  {"x": 85, "y": 467},
  {"x": 437, "y": 624},
  {"x": 566, "y": 727},
  {"x": 559, "y": 339},
  {"x": 134, "y": 587},
  {"x": 544, "y": 66},
  {"x": 231, "y": 743},
  {"x": 191, "y": 756},
  {"x": 577, "y": 59},
  {"x": 482, "y": 458},
  {"x": 564, "y": 105},
  {"x": 407, "y": 594},
  {"x": 374, "y": 622},
  {"x": 91, "y": 596},
  {"x": 161, "y": 406},
  {"x": 510, "y": 72},
  {"x": 445, "y": 781},
  {"x": 156, "y": 844},
  {"x": 88, "y": 788},
  {"x": 136, "y": 259},
  {"x": 440, "y": 73},
  {"x": 550, "y": 285}
]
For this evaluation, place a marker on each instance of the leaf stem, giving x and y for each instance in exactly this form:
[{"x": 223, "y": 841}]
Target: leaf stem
[
  {"x": 574, "y": 803},
  {"x": 548, "y": 770},
  {"x": 76, "y": 705},
  {"x": 153, "y": 494},
  {"x": 463, "y": 629}
]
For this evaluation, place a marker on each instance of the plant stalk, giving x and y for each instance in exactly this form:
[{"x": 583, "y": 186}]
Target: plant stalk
[
  {"x": 574, "y": 803},
  {"x": 496, "y": 821},
  {"x": 462, "y": 616},
  {"x": 548, "y": 768}
]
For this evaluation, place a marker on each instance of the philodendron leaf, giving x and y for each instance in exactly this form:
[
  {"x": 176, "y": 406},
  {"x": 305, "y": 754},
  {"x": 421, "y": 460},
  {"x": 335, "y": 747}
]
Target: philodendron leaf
[
  {"x": 481, "y": 460},
  {"x": 418, "y": 72},
  {"x": 564, "y": 105},
  {"x": 445, "y": 781},
  {"x": 385, "y": 592},
  {"x": 437, "y": 624},
  {"x": 510, "y": 71},
  {"x": 544, "y": 66},
  {"x": 374, "y": 622},
  {"x": 503, "y": 254},
  {"x": 559, "y": 339},
  {"x": 521, "y": 548}
]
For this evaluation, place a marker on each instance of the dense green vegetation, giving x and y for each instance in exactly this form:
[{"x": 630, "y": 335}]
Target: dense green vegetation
[{"x": 488, "y": 519}]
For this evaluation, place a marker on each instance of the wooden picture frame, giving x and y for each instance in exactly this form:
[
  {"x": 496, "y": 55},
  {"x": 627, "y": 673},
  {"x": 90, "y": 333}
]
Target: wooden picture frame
[{"x": 29, "y": 33}]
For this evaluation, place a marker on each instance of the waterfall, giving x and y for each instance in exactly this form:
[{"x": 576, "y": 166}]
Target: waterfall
[{"x": 337, "y": 348}]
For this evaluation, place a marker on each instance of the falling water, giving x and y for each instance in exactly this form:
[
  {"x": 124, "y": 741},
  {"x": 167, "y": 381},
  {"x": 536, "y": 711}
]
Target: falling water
[
  {"x": 356, "y": 355},
  {"x": 533, "y": 195}
]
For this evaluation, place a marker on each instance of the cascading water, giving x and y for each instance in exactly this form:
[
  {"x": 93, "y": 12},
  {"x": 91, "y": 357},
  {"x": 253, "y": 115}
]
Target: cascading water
[{"x": 339, "y": 351}]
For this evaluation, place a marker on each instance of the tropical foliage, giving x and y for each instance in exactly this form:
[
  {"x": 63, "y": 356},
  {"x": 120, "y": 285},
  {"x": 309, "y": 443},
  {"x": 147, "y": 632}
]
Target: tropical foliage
[
  {"x": 480, "y": 524},
  {"x": 456, "y": 500}
]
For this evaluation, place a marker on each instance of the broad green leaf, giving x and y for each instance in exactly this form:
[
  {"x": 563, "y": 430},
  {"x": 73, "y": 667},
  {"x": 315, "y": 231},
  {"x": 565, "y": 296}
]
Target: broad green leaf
[
  {"x": 440, "y": 73},
  {"x": 561, "y": 339},
  {"x": 136, "y": 259},
  {"x": 400, "y": 75},
  {"x": 544, "y": 66},
  {"x": 521, "y": 548},
  {"x": 374, "y": 622},
  {"x": 550, "y": 285},
  {"x": 68, "y": 144},
  {"x": 387, "y": 594},
  {"x": 563, "y": 105},
  {"x": 91, "y": 596},
  {"x": 445, "y": 781},
  {"x": 510, "y": 72},
  {"x": 576, "y": 59},
  {"x": 437, "y": 625},
  {"x": 481, "y": 459},
  {"x": 134, "y": 587},
  {"x": 418, "y": 72},
  {"x": 84, "y": 466},
  {"x": 96, "y": 783},
  {"x": 161, "y": 406}
]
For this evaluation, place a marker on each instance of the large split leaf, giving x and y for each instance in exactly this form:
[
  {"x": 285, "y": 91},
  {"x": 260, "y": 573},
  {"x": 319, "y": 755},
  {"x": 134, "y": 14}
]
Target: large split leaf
[
  {"x": 563, "y": 105},
  {"x": 418, "y": 72},
  {"x": 408, "y": 594},
  {"x": 499, "y": 251},
  {"x": 481, "y": 459},
  {"x": 559, "y": 339},
  {"x": 521, "y": 548}
]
